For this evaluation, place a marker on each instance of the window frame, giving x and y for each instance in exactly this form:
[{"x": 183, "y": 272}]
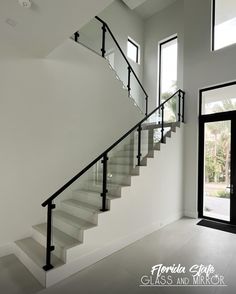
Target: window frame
[
  {"x": 137, "y": 46},
  {"x": 213, "y": 23},
  {"x": 203, "y": 118}
]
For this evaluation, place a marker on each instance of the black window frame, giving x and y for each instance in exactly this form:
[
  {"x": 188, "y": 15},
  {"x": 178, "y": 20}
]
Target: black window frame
[
  {"x": 137, "y": 50},
  {"x": 213, "y": 17},
  {"x": 203, "y": 118},
  {"x": 159, "y": 64}
]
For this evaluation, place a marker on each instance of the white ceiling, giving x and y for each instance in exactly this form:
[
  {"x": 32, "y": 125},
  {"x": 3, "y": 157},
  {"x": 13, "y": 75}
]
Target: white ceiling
[
  {"x": 38, "y": 30},
  {"x": 146, "y": 8}
]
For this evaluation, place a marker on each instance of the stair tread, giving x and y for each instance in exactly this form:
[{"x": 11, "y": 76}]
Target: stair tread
[
  {"x": 59, "y": 237},
  {"x": 37, "y": 252},
  {"x": 73, "y": 220},
  {"x": 83, "y": 204}
]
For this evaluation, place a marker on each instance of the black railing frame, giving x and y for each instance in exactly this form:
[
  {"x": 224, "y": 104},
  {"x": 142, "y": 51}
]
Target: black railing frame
[
  {"x": 49, "y": 246},
  {"x": 104, "y": 158},
  {"x": 104, "y": 183},
  {"x": 105, "y": 28}
]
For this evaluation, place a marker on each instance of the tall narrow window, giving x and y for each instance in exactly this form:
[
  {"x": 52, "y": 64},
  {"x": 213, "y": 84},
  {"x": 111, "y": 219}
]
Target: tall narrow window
[
  {"x": 133, "y": 50},
  {"x": 168, "y": 60},
  {"x": 223, "y": 23}
]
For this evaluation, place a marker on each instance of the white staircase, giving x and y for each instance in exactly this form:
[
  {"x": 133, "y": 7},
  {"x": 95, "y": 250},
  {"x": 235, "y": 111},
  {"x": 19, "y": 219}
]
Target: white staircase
[{"x": 79, "y": 227}]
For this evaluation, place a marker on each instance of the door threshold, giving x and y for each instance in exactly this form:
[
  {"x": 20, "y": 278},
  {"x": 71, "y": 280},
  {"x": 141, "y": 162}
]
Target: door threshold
[{"x": 217, "y": 226}]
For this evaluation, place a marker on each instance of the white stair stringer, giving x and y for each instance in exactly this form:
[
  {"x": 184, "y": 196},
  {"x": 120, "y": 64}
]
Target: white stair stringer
[{"x": 82, "y": 234}]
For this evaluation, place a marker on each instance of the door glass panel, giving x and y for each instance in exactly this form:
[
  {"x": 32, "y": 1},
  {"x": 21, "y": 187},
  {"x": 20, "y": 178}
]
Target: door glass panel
[
  {"x": 219, "y": 100},
  {"x": 217, "y": 153}
]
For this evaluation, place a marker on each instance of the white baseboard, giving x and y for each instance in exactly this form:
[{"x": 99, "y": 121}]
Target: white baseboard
[
  {"x": 191, "y": 214},
  {"x": 84, "y": 261},
  {"x": 6, "y": 249},
  {"x": 95, "y": 256}
]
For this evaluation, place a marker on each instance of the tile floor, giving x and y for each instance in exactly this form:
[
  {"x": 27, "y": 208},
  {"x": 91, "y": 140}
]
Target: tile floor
[{"x": 179, "y": 243}]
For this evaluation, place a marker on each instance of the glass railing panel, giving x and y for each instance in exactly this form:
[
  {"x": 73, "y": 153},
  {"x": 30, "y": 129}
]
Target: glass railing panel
[
  {"x": 171, "y": 109},
  {"x": 90, "y": 36},
  {"x": 117, "y": 61},
  {"x": 81, "y": 186},
  {"x": 137, "y": 93},
  {"x": 122, "y": 159}
]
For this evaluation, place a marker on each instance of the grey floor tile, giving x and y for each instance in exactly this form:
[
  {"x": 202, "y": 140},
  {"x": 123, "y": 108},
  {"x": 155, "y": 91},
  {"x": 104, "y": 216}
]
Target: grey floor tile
[
  {"x": 15, "y": 278},
  {"x": 181, "y": 242}
]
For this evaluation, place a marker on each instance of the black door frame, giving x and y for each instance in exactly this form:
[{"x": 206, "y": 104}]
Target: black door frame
[{"x": 229, "y": 115}]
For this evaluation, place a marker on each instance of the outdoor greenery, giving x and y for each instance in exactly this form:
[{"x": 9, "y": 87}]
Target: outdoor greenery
[
  {"x": 217, "y": 150},
  {"x": 171, "y": 105}
]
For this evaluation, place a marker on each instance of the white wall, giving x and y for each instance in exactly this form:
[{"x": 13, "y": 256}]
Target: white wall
[
  {"x": 123, "y": 23},
  {"x": 56, "y": 116},
  {"x": 160, "y": 26},
  {"x": 38, "y": 30},
  {"x": 202, "y": 68},
  {"x": 198, "y": 68}
]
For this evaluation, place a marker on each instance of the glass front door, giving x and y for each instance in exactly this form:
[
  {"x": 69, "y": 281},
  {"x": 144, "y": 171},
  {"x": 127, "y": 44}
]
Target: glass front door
[
  {"x": 218, "y": 168},
  {"x": 217, "y": 153}
]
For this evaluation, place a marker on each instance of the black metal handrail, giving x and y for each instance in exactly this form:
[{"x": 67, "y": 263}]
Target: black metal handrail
[
  {"x": 104, "y": 158},
  {"x": 104, "y": 29},
  {"x": 63, "y": 188}
]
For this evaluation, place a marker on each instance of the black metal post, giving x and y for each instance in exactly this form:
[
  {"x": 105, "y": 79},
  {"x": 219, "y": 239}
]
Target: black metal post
[
  {"x": 103, "y": 40},
  {"x": 49, "y": 246},
  {"x": 162, "y": 123},
  {"x": 128, "y": 86},
  {"x": 146, "y": 111},
  {"x": 150, "y": 139},
  {"x": 76, "y": 35},
  {"x": 139, "y": 145},
  {"x": 183, "y": 100},
  {"x": 104, "y": 183},
  {"x": 179, "y": 110}
]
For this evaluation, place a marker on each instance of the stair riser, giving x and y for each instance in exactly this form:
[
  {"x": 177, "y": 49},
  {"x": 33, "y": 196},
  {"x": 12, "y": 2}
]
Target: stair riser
[
  {"x": 117, "y": 179},
  {"x": 121, "y": 160},
  {"x": 41, "y": 239},
  {"x": 133, "y": 147},
  {"x": 80, "y": 212},
  {"x": 144, "y": 147},
  {"x": 68, "y": 229},
  {"x": 37, "y": 272},
  {"x": 157, "y": 147},
  {"x": 123, "y": 169},
  {"x": 89, "y": 198},
  {"x": 112, "y": 191},
  {"x": 125, "y": 153}
]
